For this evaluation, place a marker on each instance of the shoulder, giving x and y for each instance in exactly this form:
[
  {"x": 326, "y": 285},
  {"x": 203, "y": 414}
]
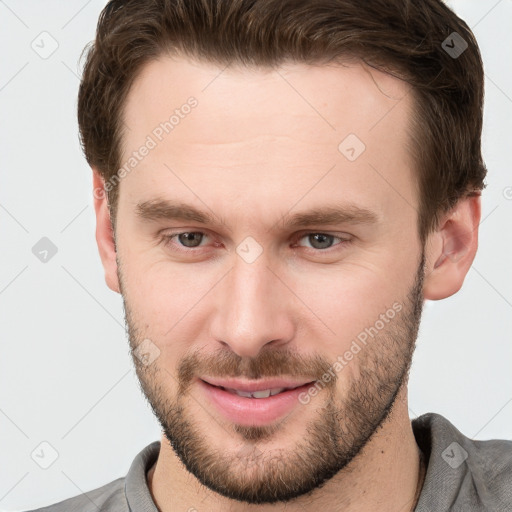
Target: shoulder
[
  {"x": 468, "y": 474},
  {"x": 491, "y": 463},
  {"x": 107, "y": 498},
  {"x": 491, "y": 457},
  {"x": 122, "y": 495}
]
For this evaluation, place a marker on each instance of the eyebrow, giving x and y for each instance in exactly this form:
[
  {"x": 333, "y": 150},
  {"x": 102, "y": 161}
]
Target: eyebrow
[{"x": 165, "y": 209}]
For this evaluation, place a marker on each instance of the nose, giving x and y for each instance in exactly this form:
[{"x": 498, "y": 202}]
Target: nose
[{"x": 253, "y": 308}]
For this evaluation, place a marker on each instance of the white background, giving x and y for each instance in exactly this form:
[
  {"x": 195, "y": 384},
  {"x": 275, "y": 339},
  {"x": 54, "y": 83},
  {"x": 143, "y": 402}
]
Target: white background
[{"x": 66, "y": 375}]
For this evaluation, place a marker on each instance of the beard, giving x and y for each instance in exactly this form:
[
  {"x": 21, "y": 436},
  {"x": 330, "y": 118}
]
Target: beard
[{"x": 342, "y": 426}]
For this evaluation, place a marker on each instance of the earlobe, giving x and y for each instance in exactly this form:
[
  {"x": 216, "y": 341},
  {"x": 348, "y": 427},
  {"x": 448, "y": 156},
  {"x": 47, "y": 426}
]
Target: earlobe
[
  {"x": 452, "y": 249},
  {"x": 104, "y": 233}
]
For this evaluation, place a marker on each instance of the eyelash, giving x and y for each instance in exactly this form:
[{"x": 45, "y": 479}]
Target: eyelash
[{"x": 167, "y": 240}]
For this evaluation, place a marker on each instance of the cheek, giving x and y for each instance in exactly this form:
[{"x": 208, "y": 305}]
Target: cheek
[
  {"x": 354, "y": 311},
  {"x": 350, "y": 295},
  {"x": 168, "y": 303}
]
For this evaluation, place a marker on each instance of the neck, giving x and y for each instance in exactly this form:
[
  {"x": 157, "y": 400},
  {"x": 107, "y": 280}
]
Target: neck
[{"x": 386, "y": 475}]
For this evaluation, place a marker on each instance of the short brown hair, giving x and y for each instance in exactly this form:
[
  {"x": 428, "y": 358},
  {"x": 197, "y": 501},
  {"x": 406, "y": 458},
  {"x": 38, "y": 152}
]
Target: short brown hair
[{"x": 401, "y": 37}]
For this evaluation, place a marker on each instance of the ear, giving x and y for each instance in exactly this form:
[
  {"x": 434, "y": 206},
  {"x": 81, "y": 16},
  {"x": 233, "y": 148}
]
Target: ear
[
  {"x": 451, "y": 249},
  {"x": 104, "y": 233}
]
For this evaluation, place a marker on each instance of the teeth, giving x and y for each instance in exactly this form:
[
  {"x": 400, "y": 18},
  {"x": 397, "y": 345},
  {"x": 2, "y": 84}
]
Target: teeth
[
  {"x": 275, "y": 391},
  {"x": 265, "y": 393},
  {"x": 239, "y": 393}
]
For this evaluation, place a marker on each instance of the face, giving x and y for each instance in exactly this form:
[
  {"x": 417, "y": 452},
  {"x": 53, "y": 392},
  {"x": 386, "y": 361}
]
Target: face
[{"x": 304, "y": 264}]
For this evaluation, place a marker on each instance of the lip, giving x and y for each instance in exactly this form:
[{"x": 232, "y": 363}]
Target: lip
[
  {"x": 253, "y": 411},
  {"x": 241, "y": 385}
]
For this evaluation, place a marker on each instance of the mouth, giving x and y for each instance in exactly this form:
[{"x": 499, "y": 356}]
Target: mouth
[
  {"x": 251, "y": 386},
  {"x": 253, "y": 407},
  {"x": 263, "y": 393}
]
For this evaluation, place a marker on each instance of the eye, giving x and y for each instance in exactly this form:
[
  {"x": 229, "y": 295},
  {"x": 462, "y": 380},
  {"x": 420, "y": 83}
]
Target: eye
[
  {"x": 187, "y": 241},
  {"x": 322, "y": 241}
]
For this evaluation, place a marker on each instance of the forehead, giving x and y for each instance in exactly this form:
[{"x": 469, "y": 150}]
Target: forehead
[
  {"x": 268, "y": 131},
  {"x": 337, "y": 97}
]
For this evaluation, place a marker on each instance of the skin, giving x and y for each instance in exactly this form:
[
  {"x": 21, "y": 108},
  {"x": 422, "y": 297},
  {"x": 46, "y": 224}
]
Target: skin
[{"x": 261, "y": 144}]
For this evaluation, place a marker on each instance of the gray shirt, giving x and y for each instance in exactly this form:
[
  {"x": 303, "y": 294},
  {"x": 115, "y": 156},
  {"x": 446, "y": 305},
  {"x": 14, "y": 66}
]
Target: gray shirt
[{"x": 462, "y": 475}]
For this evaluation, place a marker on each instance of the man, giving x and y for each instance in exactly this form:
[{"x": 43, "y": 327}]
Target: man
[{"x": 279, "y": 186}]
